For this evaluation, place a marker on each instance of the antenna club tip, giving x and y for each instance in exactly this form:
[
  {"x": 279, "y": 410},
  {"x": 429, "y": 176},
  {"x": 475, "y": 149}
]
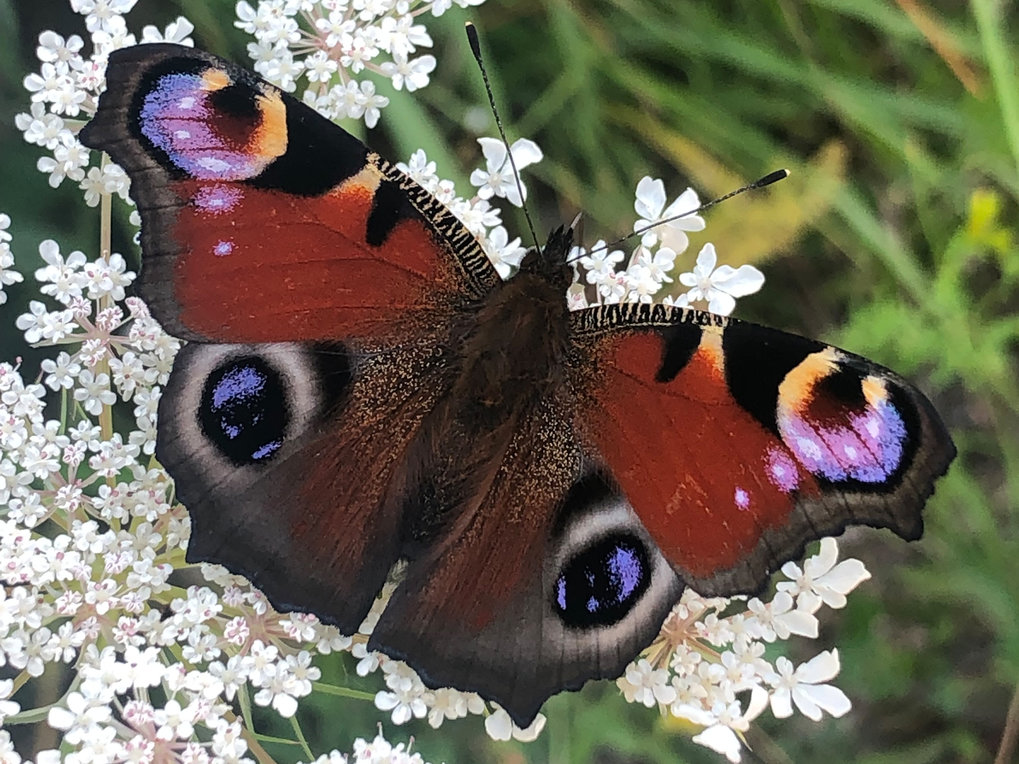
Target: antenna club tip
[
  {"x": 472, "y": 38},
  {"x": 772, "y": 177}
]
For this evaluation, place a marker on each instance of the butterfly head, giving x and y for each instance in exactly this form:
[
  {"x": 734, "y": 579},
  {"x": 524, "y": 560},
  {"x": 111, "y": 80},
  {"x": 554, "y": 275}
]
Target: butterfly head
[{"x": 550, "y": 261}]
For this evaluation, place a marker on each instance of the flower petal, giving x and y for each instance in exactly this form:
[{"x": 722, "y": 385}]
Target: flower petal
[
  {"x": 650, "y": 199},
  {"x": 706, "y": 260},
  {"x": 495, "y": 153},
  {"x": 721, "y": 303},
  {"x": 720, "y": 739},
  {"x": 830, "y": 699},
  {"x": 525, "y": 152},
  {"x": 821, "y": 668},
  {"x": 739, "y": 282}
]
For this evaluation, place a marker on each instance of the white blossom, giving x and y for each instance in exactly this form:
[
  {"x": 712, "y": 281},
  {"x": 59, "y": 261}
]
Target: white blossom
[
  {"x": 498, "y": 178},
  {"x": 719, "y": 286}
]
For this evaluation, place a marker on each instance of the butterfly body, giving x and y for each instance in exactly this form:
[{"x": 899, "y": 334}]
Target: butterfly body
[
  {"x": 361, "y": 389},
  {"x": 515, "y": 342}
]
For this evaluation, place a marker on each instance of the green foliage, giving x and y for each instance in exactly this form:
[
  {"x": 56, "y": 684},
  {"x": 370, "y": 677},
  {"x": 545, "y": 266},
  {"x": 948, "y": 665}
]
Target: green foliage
[{"x": 900, "y": 243}]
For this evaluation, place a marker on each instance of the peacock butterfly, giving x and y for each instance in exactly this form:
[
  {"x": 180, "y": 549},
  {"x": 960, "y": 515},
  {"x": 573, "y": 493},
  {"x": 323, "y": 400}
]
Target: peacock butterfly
[{"x": 522, "y": 459}]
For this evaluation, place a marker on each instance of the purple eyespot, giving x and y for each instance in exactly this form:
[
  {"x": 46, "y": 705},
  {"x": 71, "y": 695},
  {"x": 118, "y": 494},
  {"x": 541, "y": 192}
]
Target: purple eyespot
[
  {"x": 178, "y": 115},
  {"x": 599, "y": 585},
  {"x": 868, "y": 447},
  {"x": 244, "y": 410}
]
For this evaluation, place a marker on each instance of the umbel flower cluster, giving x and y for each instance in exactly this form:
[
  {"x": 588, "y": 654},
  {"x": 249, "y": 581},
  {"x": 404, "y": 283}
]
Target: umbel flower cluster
[{"x": 145, "y": 668}]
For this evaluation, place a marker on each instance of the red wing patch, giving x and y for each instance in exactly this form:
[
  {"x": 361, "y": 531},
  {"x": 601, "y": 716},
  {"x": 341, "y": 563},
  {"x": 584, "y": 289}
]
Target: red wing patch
[
  {"x": 706, "y": 477},
  {"x": 259, "y": 265}
]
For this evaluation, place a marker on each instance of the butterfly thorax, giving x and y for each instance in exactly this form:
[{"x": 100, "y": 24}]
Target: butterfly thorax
[
  {"x": 514, "y": 341},
  {"x": 514, "y": 349}
]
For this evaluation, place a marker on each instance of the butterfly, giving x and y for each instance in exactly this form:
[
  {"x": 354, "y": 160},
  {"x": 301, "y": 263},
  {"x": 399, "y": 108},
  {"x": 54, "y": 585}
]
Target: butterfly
[{"x": 360, "y": 388}]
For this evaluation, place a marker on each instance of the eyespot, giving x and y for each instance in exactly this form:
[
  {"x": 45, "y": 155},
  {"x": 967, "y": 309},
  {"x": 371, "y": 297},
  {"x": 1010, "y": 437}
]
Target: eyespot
[
  {"x": 600, "y": 584},
  {"x": 244, "y": 410}
]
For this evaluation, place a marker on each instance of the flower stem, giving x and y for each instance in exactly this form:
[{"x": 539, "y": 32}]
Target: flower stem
[
  {"x": 344, "y": 692},
  {"x": 296, "y": 726},
  {"x": 1010, "y": 735}
]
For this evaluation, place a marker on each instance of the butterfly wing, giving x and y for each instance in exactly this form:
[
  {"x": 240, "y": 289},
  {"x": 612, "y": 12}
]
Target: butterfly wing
[
  {"x": 737, "y": 444},
  {"x": 291, "y": 459},
  {"x": 262, "y": 221}
]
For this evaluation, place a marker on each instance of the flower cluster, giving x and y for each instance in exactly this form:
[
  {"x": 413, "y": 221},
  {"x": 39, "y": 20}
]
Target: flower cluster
[
  {"x": 7, "y": 275},
  {"x": 90, "y": 537},
  {"x": 708, "y": 666},
  {"x": 327, "y": 48},
  {"x": 66, "y": 88},
  {"x": 90, "y": 532},
  {"x": 663, "y": 237}
]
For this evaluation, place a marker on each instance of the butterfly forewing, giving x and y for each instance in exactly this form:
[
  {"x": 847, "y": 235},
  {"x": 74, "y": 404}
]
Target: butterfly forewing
[
  {"x": 262, "y": 221},
  {"x": 760, "y": 441}
]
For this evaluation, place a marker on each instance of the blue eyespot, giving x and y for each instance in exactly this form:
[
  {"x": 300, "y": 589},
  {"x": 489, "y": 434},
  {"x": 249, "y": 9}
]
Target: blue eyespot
[
  {"x": 599, "y": 585},
  {"x": 244, "y": 410}
]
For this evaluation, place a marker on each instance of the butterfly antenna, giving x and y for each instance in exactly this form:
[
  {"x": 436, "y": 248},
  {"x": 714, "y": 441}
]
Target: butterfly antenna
[
  {"x": 767, "y": 180},
  {"x": 472, "y": 38}
]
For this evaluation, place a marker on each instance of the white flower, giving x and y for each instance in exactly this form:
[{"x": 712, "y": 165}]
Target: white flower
[
  {"x": 718, "y": 287},
  {"x": 641, "y": 285},
  {"x": 319, "y": 67},
  {"x": 505, "y": 255},
  {"x": 64, "y": 277},
  {"x": 81, "y": 716},
  {"x": 283, "y": 69},
  {"x": 498, "y": 178},
  {"x": 100, "y": 14},
  {"x": 412, "y": 73},
  {"x": 404, "y": 704},
  {"x": 332, "y": 28},
  {"x": 821, "y": 581},
  {"x": 402, "y": 36},
  {"x": 650, "y": 206},
  {"x": 40, "y": 324},
  {"x": 177, "y": 31},
  {"x": 500, "y": 726},
  {"x": 53, "y": 48},
  {"x": 94, "y": 392},
  {"x": 107, "y": 277},
  {"x": 599, "y": 263},
  {"x": 371, "y": 103},
  {"x": 642, "y": 683},
  {"x": 804, "y": 686},
  {"x": 781, "y": 617},
  {"x": 7, "y": 707},
  {"x": 42, "y": 128},
  {"x": 378, "y": 751},
  {"x": 7, "y": 276},
  {"x": 68, "y": 160}
]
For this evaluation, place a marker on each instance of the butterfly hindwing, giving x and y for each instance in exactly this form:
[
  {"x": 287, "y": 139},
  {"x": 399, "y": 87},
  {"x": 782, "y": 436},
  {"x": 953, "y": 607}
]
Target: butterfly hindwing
[
  {"x": 263, "y": 221},
  {"x": 546, "y": 581},
  {"x": 291, "y": 459},
  {"x": 760, "y": 441}
]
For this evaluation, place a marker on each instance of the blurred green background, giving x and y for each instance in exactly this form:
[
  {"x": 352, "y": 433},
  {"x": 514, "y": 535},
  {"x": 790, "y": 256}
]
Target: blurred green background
[{"x": 895, "y": 237}]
